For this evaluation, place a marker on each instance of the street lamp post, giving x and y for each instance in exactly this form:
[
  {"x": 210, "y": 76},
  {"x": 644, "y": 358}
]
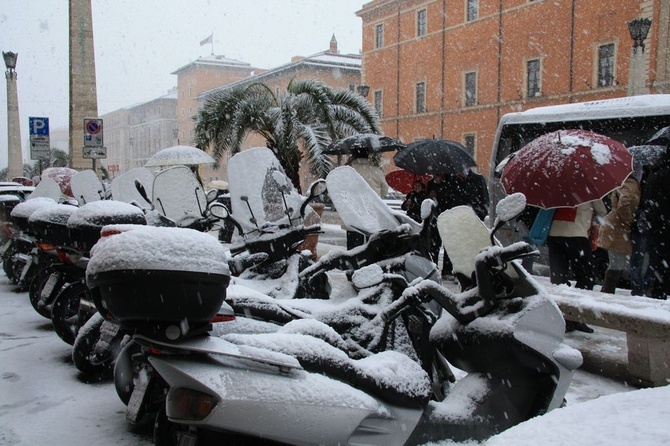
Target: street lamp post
[
  {"x": 638, "y": 29},
  {"x": 14, "y": 153}
]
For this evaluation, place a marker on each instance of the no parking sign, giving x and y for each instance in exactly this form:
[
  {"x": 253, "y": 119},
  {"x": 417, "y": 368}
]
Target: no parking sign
[
  {"x": 93, "y": 141},
  {"x": 92, "y": 132}
]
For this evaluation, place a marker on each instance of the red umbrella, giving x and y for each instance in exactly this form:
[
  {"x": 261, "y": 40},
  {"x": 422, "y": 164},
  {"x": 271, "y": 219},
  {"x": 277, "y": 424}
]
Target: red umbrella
[
  {"x": 567, "y": 168},
  {"x": 403, "y": 180}
]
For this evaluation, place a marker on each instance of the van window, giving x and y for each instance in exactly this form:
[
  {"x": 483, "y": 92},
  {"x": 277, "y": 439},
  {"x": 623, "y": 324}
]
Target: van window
[
  {"x": 630, "y": 120},
  {"x": 630, "y": 131}
]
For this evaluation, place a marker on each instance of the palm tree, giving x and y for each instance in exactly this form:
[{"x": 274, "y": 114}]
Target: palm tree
[
  {"x": 310, "y": 113},
  {"x": 59, "y": 158}
]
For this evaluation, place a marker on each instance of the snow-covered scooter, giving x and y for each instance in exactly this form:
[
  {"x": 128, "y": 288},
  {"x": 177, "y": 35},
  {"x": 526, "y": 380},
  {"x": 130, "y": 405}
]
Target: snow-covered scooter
[{"x": 291, "y": 386}]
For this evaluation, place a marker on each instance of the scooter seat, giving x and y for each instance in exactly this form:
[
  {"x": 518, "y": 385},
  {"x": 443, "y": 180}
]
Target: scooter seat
[{"x": 388, "y": 375}]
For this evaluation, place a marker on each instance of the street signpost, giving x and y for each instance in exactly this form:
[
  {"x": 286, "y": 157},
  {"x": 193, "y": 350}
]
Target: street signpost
[
  {"x": 40, "y": 143},
  {"x": 93, "y": 139}
]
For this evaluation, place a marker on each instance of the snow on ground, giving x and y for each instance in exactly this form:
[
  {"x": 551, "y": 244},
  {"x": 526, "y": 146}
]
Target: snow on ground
[{"x": 45, "y": 400}]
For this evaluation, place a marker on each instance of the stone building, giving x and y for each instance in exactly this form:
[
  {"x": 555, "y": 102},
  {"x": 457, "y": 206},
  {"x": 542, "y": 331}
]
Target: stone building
[
  {"x": 194, "y": 78},
  {"x": 133, "y": 134},
  {"x": 451, "y": 69}
]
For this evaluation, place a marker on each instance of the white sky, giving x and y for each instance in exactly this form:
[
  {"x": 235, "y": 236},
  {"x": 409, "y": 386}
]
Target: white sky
[{"x": 138, "y": 45}]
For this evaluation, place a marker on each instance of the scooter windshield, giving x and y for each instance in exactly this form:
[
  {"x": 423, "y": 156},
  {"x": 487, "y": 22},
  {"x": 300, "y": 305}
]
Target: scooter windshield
[
  {"x": 260, "y": 191},
  {"x": 124, "y": 188},
  {"x": 87, "y": 187},
  {"x": 178, "y": 195}
]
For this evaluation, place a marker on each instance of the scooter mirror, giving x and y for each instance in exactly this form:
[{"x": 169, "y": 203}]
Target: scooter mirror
[
  {"x": 211, "y": 195},
  {"x": 510, "y": 206},
  {"x": 143, "y": 192},
  {"x": 318, "y": 188},
  {"x": 367, "y": 276},
  {"x": 219, "y": 210}
]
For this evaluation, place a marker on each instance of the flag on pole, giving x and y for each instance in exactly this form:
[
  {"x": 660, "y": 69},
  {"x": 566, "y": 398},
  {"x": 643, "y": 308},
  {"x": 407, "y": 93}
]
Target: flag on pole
[{"x": 209, "y": 39}]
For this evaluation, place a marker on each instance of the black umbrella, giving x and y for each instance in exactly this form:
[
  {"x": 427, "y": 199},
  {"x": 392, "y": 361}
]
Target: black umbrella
[
  {"x": 660, "y": 138},
  {"x": 435, "y": 157},
  {"x": 363, "y": 144},
  {"x": 646, "y": 155}
]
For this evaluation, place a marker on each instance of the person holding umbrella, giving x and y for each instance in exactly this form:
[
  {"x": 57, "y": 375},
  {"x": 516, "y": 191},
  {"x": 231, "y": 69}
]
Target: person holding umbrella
[
  {"x": 654, "y": 222},
  {"x": 412, "y": 203},
  {"x": 464, "y": 188},
  {"x": 453, "y": 183},
  {"x": 615, "y": 231},
  {"x": 569, "y": 244},
  {"x": 570, "y": 171}
]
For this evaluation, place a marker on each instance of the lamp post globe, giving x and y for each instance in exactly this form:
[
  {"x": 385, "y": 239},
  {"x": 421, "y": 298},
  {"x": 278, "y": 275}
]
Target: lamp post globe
[{"x": 638, "y": 29}]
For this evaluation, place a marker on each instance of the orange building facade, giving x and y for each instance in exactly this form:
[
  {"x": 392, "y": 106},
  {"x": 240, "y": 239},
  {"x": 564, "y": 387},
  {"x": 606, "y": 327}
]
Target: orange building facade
[
  {"x": 201, "y": 75},
  {"x": 451, "y": 68}
]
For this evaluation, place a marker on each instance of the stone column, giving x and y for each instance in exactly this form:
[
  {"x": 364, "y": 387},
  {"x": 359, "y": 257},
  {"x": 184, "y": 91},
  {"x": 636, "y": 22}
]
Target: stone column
[
  {"x": 637, "y": 73},
  {"x": 14, "y": 151},
  {"x": 83, "y": 93}
]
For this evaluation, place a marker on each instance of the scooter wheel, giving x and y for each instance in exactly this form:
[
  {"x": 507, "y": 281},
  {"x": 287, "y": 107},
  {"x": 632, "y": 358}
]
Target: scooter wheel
[
  {"x": 166, "y": 433},
  {"x": 9, "y": 267},
  {"x": 126, "y": 372},
  {"x": 65, "y": 311},
  {"x": 35, "y": 292},
  {"x": 83, "y": 351}
]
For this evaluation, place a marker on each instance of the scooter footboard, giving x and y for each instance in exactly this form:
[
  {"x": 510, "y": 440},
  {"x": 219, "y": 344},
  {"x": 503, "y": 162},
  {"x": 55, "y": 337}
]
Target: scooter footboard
[
  {"x": 479, "y": 406},
  {"x": 296, "y": 407}
]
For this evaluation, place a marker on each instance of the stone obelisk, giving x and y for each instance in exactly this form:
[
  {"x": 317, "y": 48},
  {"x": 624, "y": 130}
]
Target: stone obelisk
[
  {"x": 14, "y": 152},
  {"x": 83, "y": 93}
]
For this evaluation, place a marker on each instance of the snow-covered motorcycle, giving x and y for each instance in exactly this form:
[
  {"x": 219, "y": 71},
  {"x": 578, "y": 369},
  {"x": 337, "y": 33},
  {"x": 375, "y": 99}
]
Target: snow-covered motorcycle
[{"x": 504, "y": 332}]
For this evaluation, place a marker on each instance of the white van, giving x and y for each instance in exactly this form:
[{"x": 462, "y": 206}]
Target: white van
[{"x": 631, "y": 120}]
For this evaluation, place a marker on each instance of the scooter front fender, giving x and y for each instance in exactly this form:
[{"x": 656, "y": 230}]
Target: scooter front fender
[{"x": 297, "y": 407}]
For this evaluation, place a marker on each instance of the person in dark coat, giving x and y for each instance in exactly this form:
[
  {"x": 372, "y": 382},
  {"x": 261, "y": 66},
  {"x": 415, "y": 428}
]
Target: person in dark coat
[
  {"x": 438, "y": 189},
  {"x": 653, "y": 227},
  {"x": 466, "y": 188},
  {"x": 412, "y": 203}
]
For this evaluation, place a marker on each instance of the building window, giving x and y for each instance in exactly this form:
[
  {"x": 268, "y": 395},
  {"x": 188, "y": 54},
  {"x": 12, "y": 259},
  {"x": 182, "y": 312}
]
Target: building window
[
  {"x": 469, "y": 141},
  {"x": 473, "y": 10},
  {"x": 533, "y": 78},
  {"x": 378, "y": 102},
  {"x": 421, "y": 23},
  {"x": 379, "y": 36},
  {"x": 421, "y": 97},
  {"x": 470, "y": 89},
  {"x": 606, "y": 65},
  {"x": 352, "y": 88}
]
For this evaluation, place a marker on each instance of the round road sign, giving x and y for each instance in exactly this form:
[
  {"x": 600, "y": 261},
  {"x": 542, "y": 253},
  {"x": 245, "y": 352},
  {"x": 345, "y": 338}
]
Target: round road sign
[{"x": 92, "y": 127}]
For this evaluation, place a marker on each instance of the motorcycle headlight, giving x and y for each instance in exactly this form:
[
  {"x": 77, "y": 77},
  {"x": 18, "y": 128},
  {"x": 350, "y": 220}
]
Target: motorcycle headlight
[{"x": 190, "y": 404}]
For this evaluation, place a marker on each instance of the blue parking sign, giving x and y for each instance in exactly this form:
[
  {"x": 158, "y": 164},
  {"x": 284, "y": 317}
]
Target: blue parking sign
[{"x": 39, "y": 126}]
